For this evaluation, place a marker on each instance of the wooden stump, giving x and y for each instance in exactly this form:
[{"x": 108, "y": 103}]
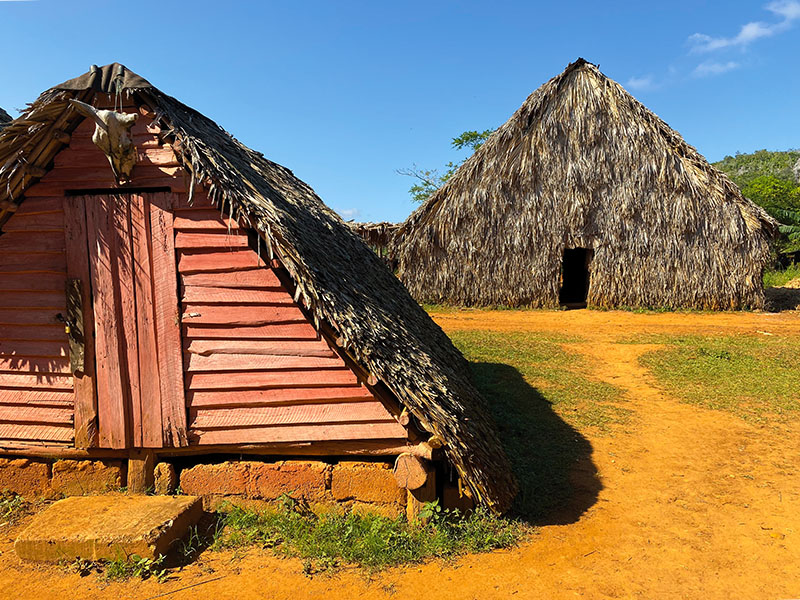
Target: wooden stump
[
  {"x": 411, "y": 472},
  {"x": 141, "y": 472}
]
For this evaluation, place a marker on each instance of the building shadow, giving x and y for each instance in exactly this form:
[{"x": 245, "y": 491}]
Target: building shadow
[{"x": 551, "y": 460}]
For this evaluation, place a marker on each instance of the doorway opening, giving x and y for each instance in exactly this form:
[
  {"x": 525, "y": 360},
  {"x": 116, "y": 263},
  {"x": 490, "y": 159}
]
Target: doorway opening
[{"x": 575, "y": 277}]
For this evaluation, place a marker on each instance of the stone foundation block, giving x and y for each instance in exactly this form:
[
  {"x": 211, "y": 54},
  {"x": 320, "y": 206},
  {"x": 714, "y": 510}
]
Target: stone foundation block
[
  {"x": 82, "y": 477},
  {"x": 223, "y": 479},
  {"x": 365, "y": 482},
  {"x": 28, "y": 478},
  {"x": 166, "y": 480},
  {"x": 295, "y": 478}
]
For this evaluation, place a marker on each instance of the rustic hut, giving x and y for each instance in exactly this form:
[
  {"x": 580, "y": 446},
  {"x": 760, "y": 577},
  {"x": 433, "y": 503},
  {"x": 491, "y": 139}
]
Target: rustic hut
[
  {"x": 586, "y": 196},
  {"x": 166, "y": 290},
  {"x": 378, "y": 236}
]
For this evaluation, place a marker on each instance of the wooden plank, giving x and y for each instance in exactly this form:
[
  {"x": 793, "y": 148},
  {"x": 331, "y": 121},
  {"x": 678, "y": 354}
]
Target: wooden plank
[
  {"x": 167, "y": 320},
  {"x": 126, "y": 315},
  {"x": 53, "y": 333},
  {"x": 40, "y": 380},
  {"x": 315, "y": 348},
  {"x": 212, "y": 295},
  {"x": 33, "y": 282},
  {"x": 232, "y": 398},
  {"x": 216, "y": 241},
  {"x": 52, "y": 300},
  {"x": 253, "y": 362},
  {"x": 77, "y": 252},
  {"x": 31, "y": 243},
  {"x": 301, "y": 414},
  {"x": 15, "y": 262},
  {"x": 51, "y": 221},
  {"x": 270, "y": 379},
  {"x": 33, "y": 316},
  {"x": 150, "y": 430},
  {"x": 35, "y": 364},
  {"x": 255, "y": 278},
  {"x": 93, "y": 157},
  {"x": 33, "y": 348},
  {"x": 35, "y": 433},
  {"x": 36, "y": 396},
  {"x": 81, "y": 174},
  {"x": 111, "y": 386},
  {"x": 240, "y": 316},
  {"x": 301, "y": 330},
  {"x": 204, "y": 220},
  {"x": 299, "y": 433},
  {"x": 35, "y": 206},
  {"x": 36, "y": 414},
  {"x": 176, "y": 184},
  {"x": 192, "y": 261}
]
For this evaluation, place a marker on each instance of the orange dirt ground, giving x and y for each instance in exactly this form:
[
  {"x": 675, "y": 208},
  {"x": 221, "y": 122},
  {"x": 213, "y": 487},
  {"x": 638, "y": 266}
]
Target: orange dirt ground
[{"x": 694, "y": 503}]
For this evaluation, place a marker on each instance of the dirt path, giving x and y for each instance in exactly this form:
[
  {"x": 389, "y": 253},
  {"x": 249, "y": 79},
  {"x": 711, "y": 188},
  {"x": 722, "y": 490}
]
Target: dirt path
[{"x": 695, "y": 503}]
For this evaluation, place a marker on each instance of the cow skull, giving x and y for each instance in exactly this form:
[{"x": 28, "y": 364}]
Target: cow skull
[{"x": 112, "y": 136}]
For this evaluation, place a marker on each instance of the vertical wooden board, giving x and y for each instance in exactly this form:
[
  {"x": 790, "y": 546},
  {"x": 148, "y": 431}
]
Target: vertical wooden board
[
  {"x": 167, "y": 319},
  {"x": 151, "y": 422},
  {"x": 77, "y": 252},
  {"x": 126, "y": 314},
  {"x": 111, "y": 386}
]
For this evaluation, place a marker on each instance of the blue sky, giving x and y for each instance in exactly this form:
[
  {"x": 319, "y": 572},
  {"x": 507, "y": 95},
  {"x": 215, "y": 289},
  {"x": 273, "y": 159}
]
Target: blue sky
[{"x": 344, "y": 93}]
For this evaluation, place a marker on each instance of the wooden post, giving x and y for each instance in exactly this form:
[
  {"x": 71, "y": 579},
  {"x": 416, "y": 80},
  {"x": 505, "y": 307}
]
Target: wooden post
[
  {"x": 141, "y": 471},
  {"x": 411, "y": 472},
  {"x": 418, "y": 497}
]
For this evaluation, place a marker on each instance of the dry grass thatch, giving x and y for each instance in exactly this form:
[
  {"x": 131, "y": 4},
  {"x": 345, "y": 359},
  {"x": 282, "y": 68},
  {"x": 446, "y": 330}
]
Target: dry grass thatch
[
  {"x": 583, "y": 164},
  {"x": 338, "y": 277},
  {"x": 377, "y": 235},
  {"x": 4, "y": 118}
]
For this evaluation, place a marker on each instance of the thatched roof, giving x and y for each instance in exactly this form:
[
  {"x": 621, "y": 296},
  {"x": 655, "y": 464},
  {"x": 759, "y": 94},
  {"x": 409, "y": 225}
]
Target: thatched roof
[
  {"x": 339, "y": 278},
  {"x": 378, "y": 235},
  {"x": 4, "y": 118},
  {"x": 583, "y": 164}
]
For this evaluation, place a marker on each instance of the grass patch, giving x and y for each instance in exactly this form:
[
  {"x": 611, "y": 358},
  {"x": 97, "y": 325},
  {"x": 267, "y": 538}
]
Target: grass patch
[
  {"x": 755, "y": 378},
  {"x": 780, "y": 277},
  {"x": 12, "y": 508},
  {"x": 331, "y": 539}
]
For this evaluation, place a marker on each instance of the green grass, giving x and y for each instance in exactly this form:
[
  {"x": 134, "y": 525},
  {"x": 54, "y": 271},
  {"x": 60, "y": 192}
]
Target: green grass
[
  {"x": 334, "y": 538},
  {"x": 540, "y": 400},
  {"x": 779, "y": 277},
  {"x": 753, "y": 377},
  {"x": 12, "y": 508}
]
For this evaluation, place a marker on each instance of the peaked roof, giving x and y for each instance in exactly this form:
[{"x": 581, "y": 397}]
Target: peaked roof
[
  {"x": 582, "y": 163},
  {"x": 344, "y": 284}
]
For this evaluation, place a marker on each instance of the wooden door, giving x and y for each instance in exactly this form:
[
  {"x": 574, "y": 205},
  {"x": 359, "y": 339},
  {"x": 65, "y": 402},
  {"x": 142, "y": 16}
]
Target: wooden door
[{"x": 129, "y": 285}]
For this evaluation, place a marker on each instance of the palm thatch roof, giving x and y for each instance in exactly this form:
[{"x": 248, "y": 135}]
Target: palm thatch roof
[
  {"x": 4, "y": 118},
  {"x": 341, "y": 281},
  {"x": 377, "y": 235},
  {"x": 583, "y": 164}
]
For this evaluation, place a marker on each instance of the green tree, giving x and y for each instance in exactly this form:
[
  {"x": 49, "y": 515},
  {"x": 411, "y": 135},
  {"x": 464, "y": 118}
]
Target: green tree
[{"x": 430, "y": 180}]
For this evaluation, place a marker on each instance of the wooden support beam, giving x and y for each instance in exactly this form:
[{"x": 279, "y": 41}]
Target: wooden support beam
[
  {"x": 141, "y": 471},
  {"x": 416, "y": 499},
  {"x": 411, "y": 472}
]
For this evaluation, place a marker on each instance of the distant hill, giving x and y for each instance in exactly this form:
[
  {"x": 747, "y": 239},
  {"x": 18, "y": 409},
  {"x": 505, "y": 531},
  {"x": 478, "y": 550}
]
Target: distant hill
[{"x": 744, "y": 168}]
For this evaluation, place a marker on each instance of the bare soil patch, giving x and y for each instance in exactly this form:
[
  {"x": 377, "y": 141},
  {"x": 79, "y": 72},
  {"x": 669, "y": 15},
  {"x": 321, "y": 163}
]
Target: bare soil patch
[{"x": 694, "y": 503}]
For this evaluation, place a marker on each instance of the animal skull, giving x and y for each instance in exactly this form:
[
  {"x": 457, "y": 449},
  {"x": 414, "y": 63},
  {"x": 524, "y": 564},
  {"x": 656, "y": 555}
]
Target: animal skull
[{"x": 112, "y": 136}]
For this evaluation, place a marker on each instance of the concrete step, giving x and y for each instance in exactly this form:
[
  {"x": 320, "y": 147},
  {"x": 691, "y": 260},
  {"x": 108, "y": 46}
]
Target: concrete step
[{"x": 108, "y": 527}]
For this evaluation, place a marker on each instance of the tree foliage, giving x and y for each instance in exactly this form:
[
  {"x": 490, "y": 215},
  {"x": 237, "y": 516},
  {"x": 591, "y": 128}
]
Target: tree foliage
[{"x": 430, "y": 180}]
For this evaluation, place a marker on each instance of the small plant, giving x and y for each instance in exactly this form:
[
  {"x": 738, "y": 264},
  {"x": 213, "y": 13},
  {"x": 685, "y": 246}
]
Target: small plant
[
  {"x": 136, "y": 566},
  {"x": 12, "y": 508}
]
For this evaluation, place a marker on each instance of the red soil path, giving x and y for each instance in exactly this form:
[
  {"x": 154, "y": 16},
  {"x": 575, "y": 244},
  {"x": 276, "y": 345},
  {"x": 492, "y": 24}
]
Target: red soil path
[{"x": 695, "y": 503}]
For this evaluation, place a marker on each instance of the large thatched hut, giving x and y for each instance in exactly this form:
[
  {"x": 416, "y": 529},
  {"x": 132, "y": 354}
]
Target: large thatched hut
[
  {"x": 585, "y": 196},
  {"x": 166, "y": 291}
]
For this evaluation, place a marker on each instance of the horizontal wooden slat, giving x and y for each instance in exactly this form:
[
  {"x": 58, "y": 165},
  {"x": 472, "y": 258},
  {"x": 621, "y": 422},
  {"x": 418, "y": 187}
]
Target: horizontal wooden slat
[
  {"x": 222, "y": 261},
  {"x": 227, "y": 398},
  {"x": 41, "y": 380},
  {"x": 31, "y": 206},
  {"x": 89, "y": 157},
  {"x": 53, "y": 333},
  {"x": 211, "y": 295},
  {"x": 289, "y": 331},
  {"x": 254, "y": 278},
  {"x": 255, "y": 362},
  {"x": 248, "y": 316},
  {"x": 33, "y": 282},
  {"x": 72, "y": 175},
  {"x": 317, "y": 348},
  {"x": 34, "y": 364},
  {"x": 13, "y": 299},
  {"x": 36, "y": 396},
  {"x": 298, "y": 433},
  {"x": 36, "y": 433},
  {"x": 84, "y": 143},
  {"x": 18, "y": 240},
  {"x": 33, "y": 261},
  {"x": 33, "y": 316},
  {"x": 302, "y": 414},
  {"x": 53, "y": 221},
  {"x": 176, "y": 185},
  {"x": 268, "y": 379},
  {"x": 222, "y": 240},
  {"x": 204, "y": 220},
  {"x": 46, "y": 415}
]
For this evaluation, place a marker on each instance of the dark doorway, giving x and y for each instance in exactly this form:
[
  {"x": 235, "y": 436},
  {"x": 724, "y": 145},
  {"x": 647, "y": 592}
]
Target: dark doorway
[{"x": 575, "y": 277}]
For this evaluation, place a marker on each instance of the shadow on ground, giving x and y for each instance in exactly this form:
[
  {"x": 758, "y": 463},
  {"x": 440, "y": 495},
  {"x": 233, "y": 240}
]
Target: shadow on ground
[
  {"x": 778, "y": 299},
  {"x": 552, "y": 461}
]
